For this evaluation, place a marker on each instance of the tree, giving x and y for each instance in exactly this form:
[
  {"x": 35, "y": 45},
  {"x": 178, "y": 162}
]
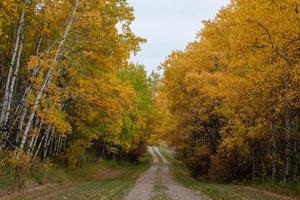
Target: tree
[
  {"x": 233, "y": 94},
  {"x": 61, "y": 64}
]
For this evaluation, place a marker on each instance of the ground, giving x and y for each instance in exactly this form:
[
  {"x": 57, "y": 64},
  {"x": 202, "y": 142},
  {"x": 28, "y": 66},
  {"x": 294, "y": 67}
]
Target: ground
[
  {"x": 218, "y": 191},
  {"x": 159, "y": 176},
  {"x": 105, "y": 180},
  {"x": 158, "y": 183}
]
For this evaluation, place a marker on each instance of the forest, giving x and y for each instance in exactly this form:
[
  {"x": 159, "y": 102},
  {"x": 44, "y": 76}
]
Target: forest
[
  {"x": 232, "y": 97},
  {"x": 67, "y": 88},
  {"x": 228, "y": 105}
]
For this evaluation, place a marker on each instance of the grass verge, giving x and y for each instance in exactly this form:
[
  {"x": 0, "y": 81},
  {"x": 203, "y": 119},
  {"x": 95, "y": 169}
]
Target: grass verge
[
  {"x": 262, "y": 191},
  {"x": 106, "y": 180}
]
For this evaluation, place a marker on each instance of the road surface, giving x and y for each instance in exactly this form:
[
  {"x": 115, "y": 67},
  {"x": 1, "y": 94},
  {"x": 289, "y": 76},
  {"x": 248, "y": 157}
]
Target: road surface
[{"x": 160, "y": 171}]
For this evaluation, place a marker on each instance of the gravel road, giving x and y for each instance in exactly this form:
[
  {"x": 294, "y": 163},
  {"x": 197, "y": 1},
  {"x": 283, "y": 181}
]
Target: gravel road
[{"x": 143, "y": 189}]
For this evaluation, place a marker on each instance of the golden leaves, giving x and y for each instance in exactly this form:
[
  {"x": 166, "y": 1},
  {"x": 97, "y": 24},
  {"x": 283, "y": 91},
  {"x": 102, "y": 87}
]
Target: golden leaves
[
  {"x": 239, "y": 77},
  {"x": 32, "y": 62}
]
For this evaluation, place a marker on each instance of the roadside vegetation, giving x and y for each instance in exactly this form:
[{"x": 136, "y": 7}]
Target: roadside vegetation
[
  {"x": 231, "y": 191},
  {"x": 101, "y": 180},
  {"x": 229, "y": 103},
  {"x": 67, "y": 89}
]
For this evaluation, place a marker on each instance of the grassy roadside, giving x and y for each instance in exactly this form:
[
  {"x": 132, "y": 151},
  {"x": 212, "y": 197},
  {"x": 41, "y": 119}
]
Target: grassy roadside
[
  {"x": 106, "y": 180},
  {"x": 215, "y": 191}
]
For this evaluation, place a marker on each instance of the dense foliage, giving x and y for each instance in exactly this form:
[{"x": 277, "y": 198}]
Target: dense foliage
[
  {"x": 66, "y": 87},
  {"x": 229, "y": 103}
]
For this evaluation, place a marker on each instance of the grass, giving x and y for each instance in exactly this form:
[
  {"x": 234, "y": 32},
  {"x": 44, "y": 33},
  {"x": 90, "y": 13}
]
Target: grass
[
  {"x": 262, "y": 191},
  {"x": 106, "y": 180},
  {"x": 290, "y": 189},
  {"x": 159, "y": 189}
]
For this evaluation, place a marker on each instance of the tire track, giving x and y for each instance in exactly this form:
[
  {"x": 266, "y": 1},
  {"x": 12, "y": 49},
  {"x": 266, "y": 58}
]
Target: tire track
[{"x": 160, "y": 170}]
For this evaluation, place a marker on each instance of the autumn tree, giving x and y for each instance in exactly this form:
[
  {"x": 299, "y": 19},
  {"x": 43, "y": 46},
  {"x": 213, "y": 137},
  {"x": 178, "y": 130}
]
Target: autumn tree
[
  {"x": 233, "y": 94},
  {"x": 61, "y": 88}
]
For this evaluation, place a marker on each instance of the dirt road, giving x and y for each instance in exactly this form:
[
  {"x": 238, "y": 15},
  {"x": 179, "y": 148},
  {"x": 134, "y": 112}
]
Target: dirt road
[{"x": 158, "y": 183}]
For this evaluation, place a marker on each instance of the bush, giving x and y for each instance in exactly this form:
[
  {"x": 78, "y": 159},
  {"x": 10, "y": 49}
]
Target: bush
[
  {"x": 198, "y": 161},
  {"x": 135, "y": 153},
  {"x": 229, "y": 166},
  {"x": 16, "y": 168},
  {"x": 15, "y": 164}
]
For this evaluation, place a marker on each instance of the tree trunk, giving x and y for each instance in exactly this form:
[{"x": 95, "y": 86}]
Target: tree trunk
[
  {"x": 47, "y": 144},
  {"x": 287, "y": 125},
  {"x": 38, "y": 133},
  {"x": 28, "y": 89},
  {"x": 48, "y": 77},
  {"x": 254, "y": 166},
  {"x": 45, "y": 135},
  {"x": 56, "y": 145},
  {"x": 295, "y": 170},
  {"x": 2, "y": 69},
  {"x": 34, "y": 137},
  {"x": 8, "y": 81},
  {"x": 13, "y": 80},
  {"x": 274, "y": 150},
  {"x": 287, "y": 150}
]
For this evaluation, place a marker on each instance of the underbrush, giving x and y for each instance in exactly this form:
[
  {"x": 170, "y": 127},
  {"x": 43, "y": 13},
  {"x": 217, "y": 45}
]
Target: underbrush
[
  {"x": 45, "y": 178},
  {"x": 17, "y": 170},
  {"x": 266, "y": 190},
  {"x": 290, "y": 188}
]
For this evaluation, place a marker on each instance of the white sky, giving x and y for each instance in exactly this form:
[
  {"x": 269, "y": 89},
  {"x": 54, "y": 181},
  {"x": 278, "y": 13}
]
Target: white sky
[{"x": 169, "y": 25}]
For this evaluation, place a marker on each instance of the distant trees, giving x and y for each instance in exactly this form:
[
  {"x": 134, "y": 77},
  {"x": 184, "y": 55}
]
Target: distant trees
[
  {"x": 65, "y": 82},
  {"x": 231, "y": 99}
]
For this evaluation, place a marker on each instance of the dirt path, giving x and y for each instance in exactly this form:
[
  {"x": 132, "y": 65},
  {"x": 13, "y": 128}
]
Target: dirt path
[
  {"x": 160, "y": 170},
  {"x": 143, "y": 187}
]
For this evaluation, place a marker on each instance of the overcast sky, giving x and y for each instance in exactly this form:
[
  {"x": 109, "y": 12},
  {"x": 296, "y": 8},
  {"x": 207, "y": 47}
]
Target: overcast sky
[{"x": 169, "y": 25}]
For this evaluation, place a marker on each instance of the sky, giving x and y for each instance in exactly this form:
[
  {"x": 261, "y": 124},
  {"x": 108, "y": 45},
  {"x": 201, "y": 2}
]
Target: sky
[{"x": 169, "y": 25}]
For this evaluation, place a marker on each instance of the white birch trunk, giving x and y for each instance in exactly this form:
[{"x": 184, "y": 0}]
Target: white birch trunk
[
  {"x": 56, "y": 145},
  {"x": 8, "y": 99},
  {"x": 28, "y": 89},
  {"x": 13, "y": 81},
  {"x": 37, "y": 136},
  {"x": 30, "y": 144},
  {"x": 47, "y": 143},
  {"x": 34, "y": 144},
  {"x": 39, "y": 146},
  {"x": 45, "y": 135},
  {"x": 8, "y": 81},
  {"x": 48, "y": 76},
  {"x": 34, "y": 136}
]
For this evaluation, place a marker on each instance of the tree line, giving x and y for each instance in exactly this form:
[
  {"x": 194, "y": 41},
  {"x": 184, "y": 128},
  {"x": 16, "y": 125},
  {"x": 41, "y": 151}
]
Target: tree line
[
  {"x": 230, "y": 102},
  {"x": 66, "y": 86}
]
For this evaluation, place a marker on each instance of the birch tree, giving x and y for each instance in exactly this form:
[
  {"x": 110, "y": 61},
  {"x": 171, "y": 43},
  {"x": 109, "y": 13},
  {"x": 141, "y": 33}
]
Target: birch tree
[{"x": 48, "y": 75}]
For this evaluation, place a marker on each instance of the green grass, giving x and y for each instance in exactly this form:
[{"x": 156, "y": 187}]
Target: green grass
[
  {"x": 289, "y": 189},
  {"x": 262, "y": 191},
  {"x": 106, "y": 180},
  {"x": 159, "y": 189}
]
